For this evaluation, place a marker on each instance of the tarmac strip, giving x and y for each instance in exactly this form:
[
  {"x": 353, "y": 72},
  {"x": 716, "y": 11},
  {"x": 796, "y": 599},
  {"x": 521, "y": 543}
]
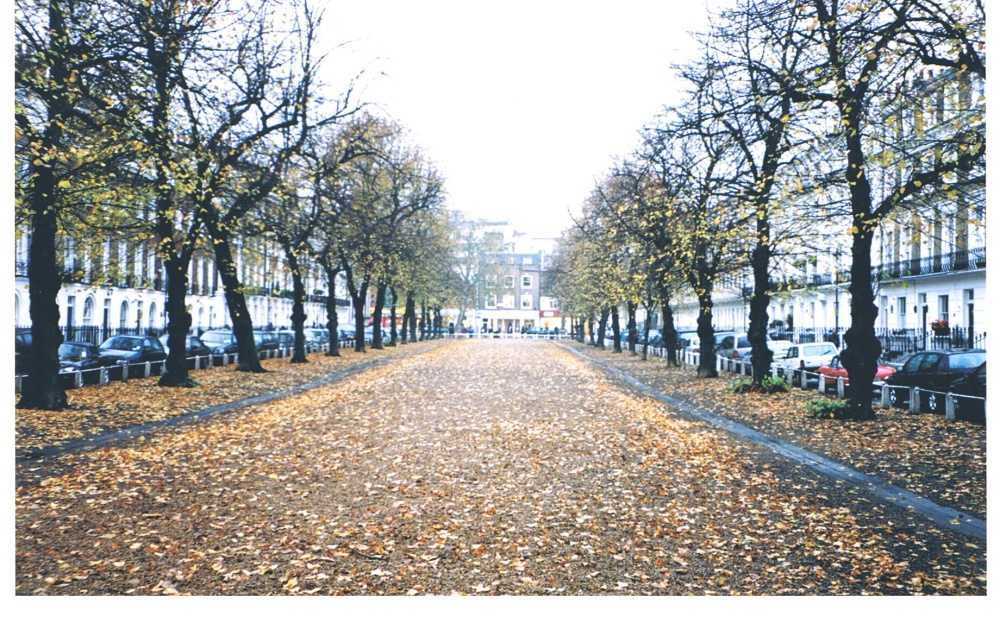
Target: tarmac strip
[{"x": 946, "y": 517}]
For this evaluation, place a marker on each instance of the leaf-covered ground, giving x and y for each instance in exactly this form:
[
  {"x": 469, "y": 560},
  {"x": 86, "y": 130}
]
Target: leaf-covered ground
[
  {"x": 95, "y": 410},
  {"x": 926, "y": 454},
  {"x": 478, "y": 467}
]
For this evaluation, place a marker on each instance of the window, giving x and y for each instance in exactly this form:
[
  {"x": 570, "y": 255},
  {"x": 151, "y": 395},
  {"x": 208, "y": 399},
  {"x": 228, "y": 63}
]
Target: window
[
  {"x": 913, "y": 363},
  {"x": 943, "y": 307},
  {"x": 528, "y": 261},
  {"x": 508, "y": 282},
  {"x": 508, "y": 300},
  {"x": 930, "y": 362},
  {"x": 526, "y": 301},
  {"x": 526, "y": 282},
  {"x": 88, "y": 312}
]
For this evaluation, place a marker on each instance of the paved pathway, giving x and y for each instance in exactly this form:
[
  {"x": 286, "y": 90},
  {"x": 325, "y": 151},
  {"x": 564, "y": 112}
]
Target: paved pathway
[{"x": 504, "y": 467}]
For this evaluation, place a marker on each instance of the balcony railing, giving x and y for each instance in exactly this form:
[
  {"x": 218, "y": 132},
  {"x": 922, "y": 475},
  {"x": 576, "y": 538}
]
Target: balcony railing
[{"x": 959, "y": 261}]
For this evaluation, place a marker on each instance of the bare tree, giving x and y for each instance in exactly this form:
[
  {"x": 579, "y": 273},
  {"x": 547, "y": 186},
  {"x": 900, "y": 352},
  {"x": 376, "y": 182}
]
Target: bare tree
[
  {"x": 72, "y": 134},
  {"x": 863, "y": 60}
]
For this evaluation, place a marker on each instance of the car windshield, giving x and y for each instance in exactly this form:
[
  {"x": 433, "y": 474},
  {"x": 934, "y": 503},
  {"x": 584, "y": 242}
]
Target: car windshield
[
  {"x": 217, "y": 338},
  {"x": 122, "y": 343},
  {"x": 71, "y": 351},
  {"x": 967, "y": 360},
  {"x": 817, "y": 350}
]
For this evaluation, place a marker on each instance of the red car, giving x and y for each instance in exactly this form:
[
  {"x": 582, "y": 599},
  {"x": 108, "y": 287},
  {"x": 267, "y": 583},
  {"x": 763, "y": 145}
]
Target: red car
[{"x": 834, "y": 370}]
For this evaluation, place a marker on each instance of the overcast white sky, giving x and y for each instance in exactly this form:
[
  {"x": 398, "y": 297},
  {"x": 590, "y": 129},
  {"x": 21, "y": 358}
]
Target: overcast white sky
[{"x": 521, "y": 105}]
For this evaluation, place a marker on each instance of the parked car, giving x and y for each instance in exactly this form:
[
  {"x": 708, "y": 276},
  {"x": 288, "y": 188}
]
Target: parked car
[
  {"x": 286, "y": 339},
  {"x": 689, "y": 339},
  {"x": 22, "y": 351},
  {"x": 834, "y": 369},
  {"x": 347, "y": 332},
  {"x": 806, "y": 356},
  {"x": 78, "y": 357},
  {"x": 933, "y": 371},
  {"x": 194, "y": 347},
  {"x": 221, "y": 342},
  {"x": 973, "y": 384},
  {"x": 778, "y": 350},
  {"x": 318, "y": 336},
  {"x": 265, "y": 341},
  {"x": 734, "y": 345},
  {"x": 122, "y": 349}
]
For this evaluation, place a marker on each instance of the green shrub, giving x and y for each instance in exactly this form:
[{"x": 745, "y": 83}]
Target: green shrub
[
  {"x": 768, "y": 385},
  {"x": 825, "y": 408},
  {"x": 774, "y": 384}
]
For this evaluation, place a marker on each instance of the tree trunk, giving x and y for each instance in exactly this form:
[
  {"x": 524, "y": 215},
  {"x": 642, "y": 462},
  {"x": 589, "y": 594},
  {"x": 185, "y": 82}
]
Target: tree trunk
[
  {"x": 862, "y": 348},
  {"x": 602, "y": 327},
  {"x": 178, "y": 321},
  {"x": 332, "y": 327},
  {"x": 411, "y": 309},
  {"x": 616, "y": 330},
  {"x": 633, "y": 334},
  {"x": 669, "y": 331},
  {"x": 862, "y": 351},
  {"x": 706, "y": 333},
  {"x": 406, "y": 322},
  {"x": 359, "y": 294},
  {"x": 423, "y": 320},
  {"x": 393, "y": 334},
  {"x": 645, "y": 334},
  {"x": 42, "y": 388},
  {"x": 377, "y": 315},
  {"x": 246, "y": 347},
  {"x": 761, "y": 354},
  {"x": 298, "y": 308}
]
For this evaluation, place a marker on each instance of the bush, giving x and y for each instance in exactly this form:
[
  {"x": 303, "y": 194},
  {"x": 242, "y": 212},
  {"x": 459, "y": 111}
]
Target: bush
[
  {"x": 824, "y": 408},
  {"x": 768, "y": 385}
]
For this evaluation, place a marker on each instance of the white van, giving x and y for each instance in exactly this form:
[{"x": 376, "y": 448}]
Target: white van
[{"x": 807, "y": 356}]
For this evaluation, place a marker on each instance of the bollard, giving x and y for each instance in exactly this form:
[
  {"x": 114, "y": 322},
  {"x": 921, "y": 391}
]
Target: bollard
[
  {"x": 125, "y": 368},
  {"x": 886, "y": 402},
  {"x": 915, "y": 400},
  {"x": 790, "y": 379},
  {"x": 103, "y": 377},
  {"x": 841, "y": 387},
  {"x": 950, "y": 404},
  {"x": 17, "y": 384},
  {"x": 146, "y": 370},
  {"x": 78, "y": 380},
  {"x": 821, "y": 386}
]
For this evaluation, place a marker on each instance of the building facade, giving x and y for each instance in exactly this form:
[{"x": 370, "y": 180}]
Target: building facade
[{"x": 121, "y": 289}]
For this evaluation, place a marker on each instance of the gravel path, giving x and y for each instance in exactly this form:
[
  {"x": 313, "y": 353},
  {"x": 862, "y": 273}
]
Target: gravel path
[{"x": 479, "y": 467}]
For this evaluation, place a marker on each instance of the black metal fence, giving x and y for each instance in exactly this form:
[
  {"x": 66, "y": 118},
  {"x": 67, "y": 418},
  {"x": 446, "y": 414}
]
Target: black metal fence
[{"x": 896, "y": 343}]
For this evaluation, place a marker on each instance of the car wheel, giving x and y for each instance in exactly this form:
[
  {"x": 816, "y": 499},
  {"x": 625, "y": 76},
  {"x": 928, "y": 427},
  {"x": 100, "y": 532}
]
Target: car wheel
[
  {"x": 892, "y": 397},
  {"x": 932, "y": 402}
]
